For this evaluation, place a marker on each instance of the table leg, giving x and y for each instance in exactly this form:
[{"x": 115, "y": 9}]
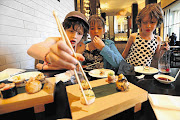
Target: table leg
[
  {"x": 137, "y": 107},
  {"x": 39, "y": 112}
]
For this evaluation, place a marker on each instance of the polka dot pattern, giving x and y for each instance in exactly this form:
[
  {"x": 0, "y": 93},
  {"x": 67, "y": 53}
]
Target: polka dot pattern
[{"x": 142, "y": 51}]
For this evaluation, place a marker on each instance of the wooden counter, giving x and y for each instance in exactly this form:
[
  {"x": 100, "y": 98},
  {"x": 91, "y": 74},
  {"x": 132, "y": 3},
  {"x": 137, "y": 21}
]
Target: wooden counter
[{"x": 105, "y": 106}]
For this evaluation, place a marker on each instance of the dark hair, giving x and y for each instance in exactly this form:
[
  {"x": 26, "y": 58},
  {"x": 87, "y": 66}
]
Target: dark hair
[
  {"x": 154, "y": 10},
  {"x": 72, "y": 21}
]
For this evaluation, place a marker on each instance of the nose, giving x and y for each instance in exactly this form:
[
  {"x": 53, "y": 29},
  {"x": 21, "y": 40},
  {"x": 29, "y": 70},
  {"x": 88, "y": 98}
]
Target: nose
[
  {"x": 148, "y": 25},
  {"x": 96, "y": 30}
]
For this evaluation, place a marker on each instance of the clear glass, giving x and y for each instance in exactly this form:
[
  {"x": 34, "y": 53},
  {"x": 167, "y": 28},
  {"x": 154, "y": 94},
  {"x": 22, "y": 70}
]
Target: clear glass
[{"x": 164, "y": 62}]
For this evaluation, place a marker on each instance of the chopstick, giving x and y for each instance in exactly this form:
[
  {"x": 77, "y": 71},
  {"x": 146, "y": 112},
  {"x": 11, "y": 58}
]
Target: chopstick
[
  {"x": 91, "y": 64},
  {"x": 177, "y": 74},
  {"x": 69, "y": 44},
  {"x": 65, "y": 38}
]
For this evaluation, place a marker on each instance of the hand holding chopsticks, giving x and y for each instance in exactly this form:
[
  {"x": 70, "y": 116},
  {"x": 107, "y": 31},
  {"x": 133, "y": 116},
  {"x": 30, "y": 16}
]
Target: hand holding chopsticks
[{"x": 65, "y": 38}]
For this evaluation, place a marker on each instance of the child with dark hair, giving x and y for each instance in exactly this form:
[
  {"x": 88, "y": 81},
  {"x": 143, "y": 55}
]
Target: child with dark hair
[
  {"x": 103, "y": 53},
  {"x": 54, "y": 51},
  {"x": 142, "y": 47}
]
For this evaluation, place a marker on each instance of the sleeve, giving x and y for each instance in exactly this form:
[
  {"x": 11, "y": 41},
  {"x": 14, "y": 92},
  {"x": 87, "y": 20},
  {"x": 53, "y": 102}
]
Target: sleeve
[{"x": 112, "y": 55}]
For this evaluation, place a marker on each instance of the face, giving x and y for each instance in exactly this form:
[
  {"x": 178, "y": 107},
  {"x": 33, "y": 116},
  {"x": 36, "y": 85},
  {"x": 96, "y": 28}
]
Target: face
[
  {"x": 148, "y": 25},
  {"x": 96, "y": 30},
  {"x": 75, "y": 35}
]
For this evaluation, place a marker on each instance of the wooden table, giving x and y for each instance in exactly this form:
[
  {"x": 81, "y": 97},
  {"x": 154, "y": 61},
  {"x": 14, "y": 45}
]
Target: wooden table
[
  {"x": 106, "y": 106},
  {"x": 25, "y": 100}
]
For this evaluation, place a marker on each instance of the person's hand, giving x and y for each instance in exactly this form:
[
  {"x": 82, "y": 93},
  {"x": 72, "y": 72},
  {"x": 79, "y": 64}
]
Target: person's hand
[
  {"x": 98, "y": 43},
  {"x": 165, "y": 46},
  {"x": 60, "y": 55}
]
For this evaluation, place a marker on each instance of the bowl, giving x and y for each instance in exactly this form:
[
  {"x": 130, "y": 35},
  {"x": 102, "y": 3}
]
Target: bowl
[{"x": 166, "y": 79}]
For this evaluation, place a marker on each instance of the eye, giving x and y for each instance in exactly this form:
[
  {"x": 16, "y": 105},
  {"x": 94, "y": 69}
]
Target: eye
[
  {"x": 92, "y": 28},
  {"x": 144, "y": 22},
  {"x": 153, "y": 22},
  {"x": 80, "y": 33}
]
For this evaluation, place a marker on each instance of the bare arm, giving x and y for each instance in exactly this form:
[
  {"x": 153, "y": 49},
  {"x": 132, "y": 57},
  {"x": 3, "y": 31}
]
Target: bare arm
[
  {"x": 39, "y": 50},
  {"x": 128, "y": 45},
  {"x": 159, "y": 49}
]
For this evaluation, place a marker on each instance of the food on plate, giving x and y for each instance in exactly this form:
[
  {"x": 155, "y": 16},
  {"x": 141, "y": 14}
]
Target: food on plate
[
  {"x": 90, "y": 96},
  {"x": 40, "y": 77},
  {"x": 85, "y": 85},
  {"x": 111, "y": 78},
  {"x": 9, "y": 90},
  {"x": 102, "y": 72},
  {"x": 48, "y": 87},
  {"x": 2, "y": 85},
  {"x": 33, "y": 86},
  {"x": 146, "y": 68},
  {"x": 122, "y": 84},
  {"x": 19, "y": 81}
]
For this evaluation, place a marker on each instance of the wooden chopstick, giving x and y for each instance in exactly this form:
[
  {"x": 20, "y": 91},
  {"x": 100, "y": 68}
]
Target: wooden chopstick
[
  {"x": 69, "y": 44},
  {"x": 65, "y": 38}
]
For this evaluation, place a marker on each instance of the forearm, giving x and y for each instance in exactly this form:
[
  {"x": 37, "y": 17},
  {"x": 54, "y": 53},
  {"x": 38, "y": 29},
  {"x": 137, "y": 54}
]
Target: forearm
[{"x": 112, "y": 55}]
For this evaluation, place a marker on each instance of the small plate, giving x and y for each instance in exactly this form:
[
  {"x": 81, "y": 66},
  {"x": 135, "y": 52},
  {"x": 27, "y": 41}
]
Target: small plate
[
  {"x": 96, "y": 73},
  {"x": 152, "y": 70},
  {"x": 4, "y": 76},
  {"x": 25, "y": 75},
  {"x": 172, "y": 79}
]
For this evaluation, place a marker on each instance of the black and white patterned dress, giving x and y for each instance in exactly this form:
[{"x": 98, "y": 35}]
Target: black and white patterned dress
[{"x": 142, "y": 51}]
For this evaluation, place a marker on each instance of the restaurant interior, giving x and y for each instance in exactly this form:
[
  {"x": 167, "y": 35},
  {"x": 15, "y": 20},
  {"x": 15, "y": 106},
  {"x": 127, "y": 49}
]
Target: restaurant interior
[{"x": 145, "y": 96}]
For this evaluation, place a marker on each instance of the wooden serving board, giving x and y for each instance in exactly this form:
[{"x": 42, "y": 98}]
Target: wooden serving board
[
  {"x": 25, "y": 100},
  {"x": 106, "y": 105}
]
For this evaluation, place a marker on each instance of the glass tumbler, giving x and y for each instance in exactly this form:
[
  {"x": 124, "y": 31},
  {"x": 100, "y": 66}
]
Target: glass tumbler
[{"x": 164, "y": 62}]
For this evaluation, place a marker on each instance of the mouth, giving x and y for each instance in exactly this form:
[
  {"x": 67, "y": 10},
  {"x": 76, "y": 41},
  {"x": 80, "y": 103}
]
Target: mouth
[
  {"x": 147, "y": 30},
  {"x": 73, "y": 41},
  {"x": 97, "y": 35}
]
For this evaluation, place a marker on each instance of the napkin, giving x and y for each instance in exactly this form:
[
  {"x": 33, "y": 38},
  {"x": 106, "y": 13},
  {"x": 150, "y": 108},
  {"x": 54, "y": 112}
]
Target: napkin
[
  {"x": 125, "y": 68},
  {"x": 165, "y": 101},
  {"x": 166, "y": 107},
  {"x": 68, "y": 76},
  {"x": 13, "y": 71}
]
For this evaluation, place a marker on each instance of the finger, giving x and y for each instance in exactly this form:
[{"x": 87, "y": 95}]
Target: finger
[
  {"x": 62, "y": 56},
  {"x": 63, "y": 46},
  {"x": 80, "y": 57},
  {"x": 63, "y": 63}
]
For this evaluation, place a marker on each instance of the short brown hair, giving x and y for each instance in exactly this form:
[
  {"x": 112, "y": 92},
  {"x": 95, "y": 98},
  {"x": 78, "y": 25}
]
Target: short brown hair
[
  {"x": 98, "y": 19},
  {"x": 154, "y": 10}
]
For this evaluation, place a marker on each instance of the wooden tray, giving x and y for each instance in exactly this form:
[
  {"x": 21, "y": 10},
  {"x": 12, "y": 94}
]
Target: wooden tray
[
  {"x": 25, "y": 100},
  {"x": 105, "y": 106}
]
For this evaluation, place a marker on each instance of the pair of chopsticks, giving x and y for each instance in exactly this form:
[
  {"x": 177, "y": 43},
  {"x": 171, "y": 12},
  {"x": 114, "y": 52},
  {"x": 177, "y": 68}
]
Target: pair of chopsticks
[
  {"x": 92, "y": 64},
  {"x": 65, "y": 38}
]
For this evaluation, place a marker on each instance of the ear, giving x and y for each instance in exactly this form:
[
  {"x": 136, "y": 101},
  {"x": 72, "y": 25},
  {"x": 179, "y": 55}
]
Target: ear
[{"x": 103, "y": 31}]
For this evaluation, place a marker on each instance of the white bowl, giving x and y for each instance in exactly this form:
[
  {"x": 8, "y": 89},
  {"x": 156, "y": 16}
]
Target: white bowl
[{"x": 172, "y": 79}]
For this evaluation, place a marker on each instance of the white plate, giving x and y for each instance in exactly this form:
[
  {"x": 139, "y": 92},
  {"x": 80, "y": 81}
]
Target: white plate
[
  {"x": 172, "y": 79},
  {"x": 151, "y": 70},
  {"x": 4, "y": 76},
  {"x": 25, "y": 75},
  {"x": 96, "y": 73}
]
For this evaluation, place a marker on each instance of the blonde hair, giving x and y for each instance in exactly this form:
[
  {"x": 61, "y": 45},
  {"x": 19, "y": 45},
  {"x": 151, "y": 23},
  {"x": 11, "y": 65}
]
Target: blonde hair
[
  {"x": 98, "y": 19},
  {"x": 154, "y": 10}
]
